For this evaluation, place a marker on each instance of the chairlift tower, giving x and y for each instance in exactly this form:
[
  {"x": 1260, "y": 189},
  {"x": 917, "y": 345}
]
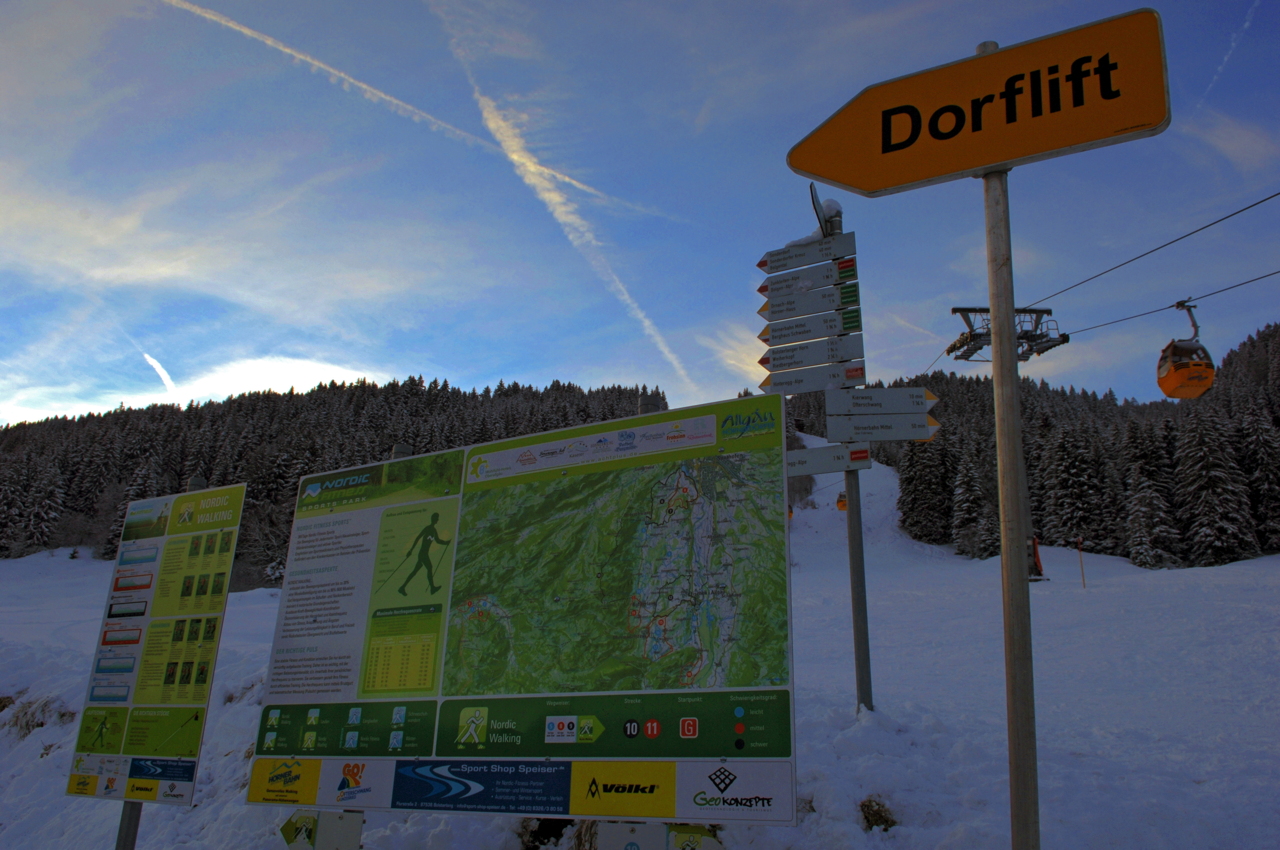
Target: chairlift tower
[{"x": 1036, "y": 333}]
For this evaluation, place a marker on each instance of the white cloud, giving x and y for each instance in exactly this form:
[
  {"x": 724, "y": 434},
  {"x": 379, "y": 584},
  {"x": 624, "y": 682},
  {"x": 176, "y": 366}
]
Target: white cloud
[
  {"x": 973, "y": 262},
  {"x": 1248, "y": 147},
  {"x": 266, "y": 247},
  {"x": 738, "y": 350},
  {"x": 32, "y": 403}
]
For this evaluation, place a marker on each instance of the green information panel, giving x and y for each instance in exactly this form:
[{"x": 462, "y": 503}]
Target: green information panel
[
  {"x": 156, "y": 649},
  {"x": 583, "y": 606},
  {"x": 101, "y": 730},
  {"x": 164, "y": 731},
  {"x": 412, "y": 573}
]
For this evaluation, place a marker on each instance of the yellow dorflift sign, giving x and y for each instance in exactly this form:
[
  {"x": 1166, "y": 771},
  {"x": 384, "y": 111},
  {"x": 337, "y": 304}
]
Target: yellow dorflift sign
[{"x": 1087, "y": 87}]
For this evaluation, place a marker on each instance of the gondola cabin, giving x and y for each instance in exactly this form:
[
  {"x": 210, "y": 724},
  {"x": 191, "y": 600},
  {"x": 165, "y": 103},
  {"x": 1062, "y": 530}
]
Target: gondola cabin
[{"x": 1185, "y": 369}]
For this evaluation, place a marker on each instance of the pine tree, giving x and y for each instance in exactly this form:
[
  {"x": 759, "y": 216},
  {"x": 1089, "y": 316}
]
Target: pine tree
[
  {"x": 46, "y": 507},
  {"x": 1260, "y": 463},
  {"x": 968, "y": 504},
  {"x": 924, "y": 498},
  {"x": 13, "y": 538},
  {"x": 1215, "y": 499},
  {"x": 1152, "y": 538}
]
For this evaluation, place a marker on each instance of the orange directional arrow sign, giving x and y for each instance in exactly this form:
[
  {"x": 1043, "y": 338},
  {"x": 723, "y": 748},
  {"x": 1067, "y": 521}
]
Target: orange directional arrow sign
[
  {"x": 879, "y": 400},
  {"x": 852, "y": 373},
  {"x": 1087, "y": 87},
  {"x": 882, "y": 426},
  {"x": 805, "y": 303}
]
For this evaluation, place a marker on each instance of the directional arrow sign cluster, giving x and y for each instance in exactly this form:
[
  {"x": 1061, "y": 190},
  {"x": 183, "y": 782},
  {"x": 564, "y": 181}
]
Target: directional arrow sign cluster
[
  {"x": 830, "y": 458},
  {"x": 808, "y": 253},
  {"x": 805, "y": 303},
  {"x": 813, "y": 277},
  {"x": 851, "y": 373},
  {"x": 882, "y": 426},
  {"x": 813, "y": 327},
  {"x": 814, "y": 310},
  {"x": 830, "y": 350},
  {"x": 878, "y": 400}
]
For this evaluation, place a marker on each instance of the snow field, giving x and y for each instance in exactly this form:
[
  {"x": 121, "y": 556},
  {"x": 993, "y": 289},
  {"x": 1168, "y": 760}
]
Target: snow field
[{"x": 1157, "y": 710}]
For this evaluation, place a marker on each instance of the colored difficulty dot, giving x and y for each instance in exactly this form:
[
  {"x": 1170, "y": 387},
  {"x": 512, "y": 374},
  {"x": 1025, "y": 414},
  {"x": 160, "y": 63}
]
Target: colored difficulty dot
[
  {"x": 739, "y": 728},
  {"x": 740, "y": 744},
  {"x": 738, "y": 712}
]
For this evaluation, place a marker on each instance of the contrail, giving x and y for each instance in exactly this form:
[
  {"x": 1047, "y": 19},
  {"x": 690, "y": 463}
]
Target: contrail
[
  {"x": 160, "y": 370},
  {"x": 574, "y": 225},
  {"x": 151, "y": 361},
  {"x": 1236, "y": 38},
  {"x": 377, "y": 96}
]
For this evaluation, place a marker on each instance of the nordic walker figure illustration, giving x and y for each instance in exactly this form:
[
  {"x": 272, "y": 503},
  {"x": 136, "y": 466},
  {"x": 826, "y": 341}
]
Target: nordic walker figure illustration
[{"x": 428, "y": 536}]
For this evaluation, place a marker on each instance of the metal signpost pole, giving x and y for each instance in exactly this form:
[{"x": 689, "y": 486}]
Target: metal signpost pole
[
  {"x": 1024, "y": 795},
  {"x": 858, "y": 589},
  {"x": 822, "y": 318}
]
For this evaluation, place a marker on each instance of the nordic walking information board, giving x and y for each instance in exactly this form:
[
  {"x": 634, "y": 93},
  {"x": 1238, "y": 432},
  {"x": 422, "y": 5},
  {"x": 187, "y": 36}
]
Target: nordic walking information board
[
  {"x": 144, "y": 714},
  {"x": 587, "y": 622}
]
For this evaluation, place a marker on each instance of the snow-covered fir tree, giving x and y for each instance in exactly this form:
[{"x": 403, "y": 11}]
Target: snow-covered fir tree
[{"x": 1212, "y": 494}]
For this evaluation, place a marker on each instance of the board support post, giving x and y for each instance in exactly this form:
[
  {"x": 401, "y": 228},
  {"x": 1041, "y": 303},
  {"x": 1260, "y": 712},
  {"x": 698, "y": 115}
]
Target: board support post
[{"x": 858, "y": 590}]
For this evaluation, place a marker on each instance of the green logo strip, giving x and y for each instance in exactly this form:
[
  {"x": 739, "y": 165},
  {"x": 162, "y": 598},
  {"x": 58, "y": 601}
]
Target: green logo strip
[
  {"x": 207, "y": 510},
  {"x": 719, "y": 724},
  {"x": 393, "y": 483}
]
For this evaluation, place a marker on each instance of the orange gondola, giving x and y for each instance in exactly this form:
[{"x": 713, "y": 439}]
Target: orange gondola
[
  {"x": 1186, "y": 368},
  {"x": 842, "y": 501}
]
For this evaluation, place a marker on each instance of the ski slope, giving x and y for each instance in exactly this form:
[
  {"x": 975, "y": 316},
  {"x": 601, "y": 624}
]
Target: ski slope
[{"x": 1158, "y": 705}]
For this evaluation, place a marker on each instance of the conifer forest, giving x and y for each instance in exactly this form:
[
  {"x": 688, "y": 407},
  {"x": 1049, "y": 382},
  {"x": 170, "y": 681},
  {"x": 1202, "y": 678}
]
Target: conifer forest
[
  {"x": 1164, "y": 484},
  {"x": 67, "y": 482}
]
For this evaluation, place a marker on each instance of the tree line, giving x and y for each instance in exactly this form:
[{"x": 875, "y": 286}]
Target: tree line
[
  {"x": 1164, "y": 483},
  {"x": 67, "y": 481}
]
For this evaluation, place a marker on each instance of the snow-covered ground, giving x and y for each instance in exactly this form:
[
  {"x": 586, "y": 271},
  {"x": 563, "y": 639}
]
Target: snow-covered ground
[{"x": 1158, "y": 705}]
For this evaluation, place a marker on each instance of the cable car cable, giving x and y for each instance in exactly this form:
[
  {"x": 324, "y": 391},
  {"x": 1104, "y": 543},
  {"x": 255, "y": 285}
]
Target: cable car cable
[
  {"x": 1153, "y": 250},
  {"x": 1176, "y": 306}
]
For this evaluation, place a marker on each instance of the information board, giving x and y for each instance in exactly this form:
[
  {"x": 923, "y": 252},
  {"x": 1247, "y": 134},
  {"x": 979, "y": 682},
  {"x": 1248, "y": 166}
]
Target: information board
[
  {"x": 144, "y": 715},
  {"x": 588, "y": 622}
]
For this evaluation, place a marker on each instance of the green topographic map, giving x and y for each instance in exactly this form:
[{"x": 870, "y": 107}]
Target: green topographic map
[{"x": 667, "y": 575}]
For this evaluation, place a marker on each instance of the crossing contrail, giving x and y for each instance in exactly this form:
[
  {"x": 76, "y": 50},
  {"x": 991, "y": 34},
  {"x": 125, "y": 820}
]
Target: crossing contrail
[
  {"x": 378, "y": 96},
  {"x": 575, "y": 227},
  {"x": 1236, "y": 38},
  {"x": 461, "y": 25}
]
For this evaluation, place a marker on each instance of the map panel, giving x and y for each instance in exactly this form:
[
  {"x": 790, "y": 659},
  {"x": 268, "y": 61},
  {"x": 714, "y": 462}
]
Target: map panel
[{"x": 659, "y": 576}]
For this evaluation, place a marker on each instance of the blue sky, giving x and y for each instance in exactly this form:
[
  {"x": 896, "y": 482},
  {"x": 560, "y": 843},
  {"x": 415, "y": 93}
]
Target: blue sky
[{"x": 200, "y": 200}]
